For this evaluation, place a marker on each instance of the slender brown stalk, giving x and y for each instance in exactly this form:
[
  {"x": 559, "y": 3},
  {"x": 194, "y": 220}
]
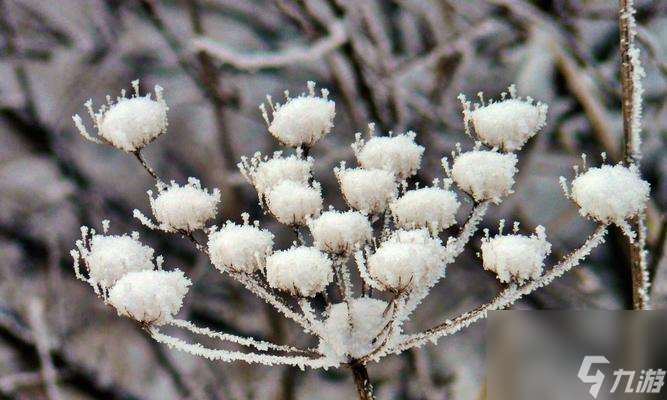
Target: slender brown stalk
[
  {"x": 362, "y": 381},
  {"x": 631, "y": 107}
]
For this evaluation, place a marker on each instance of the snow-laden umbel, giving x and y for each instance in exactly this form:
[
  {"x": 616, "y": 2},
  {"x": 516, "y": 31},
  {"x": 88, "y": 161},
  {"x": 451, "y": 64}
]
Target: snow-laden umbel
[
  {"x": 397, "y": 154},
  {"x": 239, "y": 248},
  {"x": 293, "y": 202},
  {"x": 183, "y": 208},
  {"x": 151, "y": 297},
  {"x": 110, "y": 257},
  {"x": 485, "y": 175},
  {"x": 430, "y": 207},
  {"x": 302, "y": 120},
  {"x": 610, "y": 194},
  {"x": 351, "y": 335},
  {"x": 302, "y": 271},
  {"x": 406, "y": 259},
  {"x": 130, "y": 123},
  {"x": 506, "y": 124},
  {"x": 516, "y": 257},
  {"x": 340, "y": 232},
  {"x": 264, "y": 173},
  {"x": 367, "y": 190}
]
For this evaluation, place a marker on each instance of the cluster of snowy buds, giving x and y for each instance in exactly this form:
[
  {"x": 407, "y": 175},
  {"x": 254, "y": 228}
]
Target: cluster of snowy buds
[{"x": 393, "y": 234}]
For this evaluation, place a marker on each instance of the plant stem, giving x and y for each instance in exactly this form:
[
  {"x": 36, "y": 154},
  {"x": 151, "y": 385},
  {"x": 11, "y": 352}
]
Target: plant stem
[
  {"x": 362, "y": 381},
  {"x": 631, "y": 107}
]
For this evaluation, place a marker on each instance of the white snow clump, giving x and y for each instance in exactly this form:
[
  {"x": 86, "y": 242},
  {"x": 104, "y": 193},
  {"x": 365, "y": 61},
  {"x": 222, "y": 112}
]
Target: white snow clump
[
  {"x": 185, "y": 208},
  {"x": 109, "y": 257},
  {"x": 340, "y": 232},
  {"x": 516, "y": 257},
  {"x": 151, "y": 297},
  {"x": 130, "y": 123},
  {"x": 367, "y": 190},
  {"x": 430, "y": 207},
  {"x": 398, "y": 154},
  {"x": 485, "y": 175},
  {"x": 265, "y": 173},
  {"x": 302, "y": 271},
  {"x": 302, "y": 120},
  {"x": 293, "y": 202},
  {"x": 239, "y": 248},
  {"x": 506, "y": 124}
]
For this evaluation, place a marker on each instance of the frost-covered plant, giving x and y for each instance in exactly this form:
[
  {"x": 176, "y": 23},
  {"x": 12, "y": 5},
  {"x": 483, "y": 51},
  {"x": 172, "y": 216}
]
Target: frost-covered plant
[{"x": 360, "y": 273}]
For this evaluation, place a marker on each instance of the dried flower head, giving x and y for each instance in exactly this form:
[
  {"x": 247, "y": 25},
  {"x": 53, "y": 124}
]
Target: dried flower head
[
  {"x": 367, "y": 190},
  {"x": 182, "y": 208},
  {"x": 407, "y": 259},
  {"x": 265, "y": 173},
  {"x": 506, "y": 124},
  {"x": 302, "y": 271},
  {"x": 516, "y": 257},
  {"x": 302, "y": 120},
  {"x": 239, "y": 248},
  {"x": 610, "y": 194},
  {"x": 151, "y": 297},
  {"x": 340, "y": 232},
  {"x": 397, "y": 154},
  {"x": 430, "y": 207},
  {"x": 485, "y": 175},
  {"x": 130, "y": 123},
  {"x": 293, "y": 202}
]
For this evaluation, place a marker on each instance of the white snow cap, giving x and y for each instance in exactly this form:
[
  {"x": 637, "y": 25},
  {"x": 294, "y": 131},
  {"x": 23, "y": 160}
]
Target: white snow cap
[
  {"x": 264, "y": 173},
  {"x": 610, "y": 193},
  {"x": 430, "y": 207},
  {"x": 152, "y": 297},
  {"x": 485, "y": 175},
  {"x": 516, "y": 257},
  {"x": 339, "y": 232},
  {"x": 239, "y": 247},
  {"x": 293, "y": 202},
  {"x": 186, "y": 207},
  {"x": 367, "y": 190},
  {"x": 352, "y": 336},
  {"x": 406, "y": 259},
  {"x": 508, "y": 123},
  {"x": 398, "y": 154},
  {"x": 110, "y": 257},
  {"x": 130, "y": 123},
  {"x": 302, "y": 120},
  {"x": 302, "y": 271}
]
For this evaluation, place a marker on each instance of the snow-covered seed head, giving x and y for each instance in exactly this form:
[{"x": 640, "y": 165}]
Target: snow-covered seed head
[
  {"x": 110, "y": 257},
  {"x": 506, "y": 124},
  {"x": 265, "y": 173},
  {"x": 399, "y": 154},
  {"x": 429, "y": 207},
  {"x": 302, "y": 120},
  {"x": 407, "y": 259},
  {"x": 610, "y": 194},
  {"x": 151, "y": 297},
  {"x": 339, "y": 232},
  {"x": 485, "y": 175},
  {"x": 184, "y": 208},
  {"x": 367, "y": 190},
  {"x": 239, "y": 248},
  {"x": 516, "y": 257},
  {"x": 130, "y": 123},
  {"x": 302, "y": 271},
  {"x": 291, "y": 203},
  {"x": 351, "y": 334}
]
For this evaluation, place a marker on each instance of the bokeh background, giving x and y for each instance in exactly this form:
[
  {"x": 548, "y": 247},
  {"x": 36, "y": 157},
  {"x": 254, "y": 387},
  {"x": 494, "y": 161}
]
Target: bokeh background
[{"x": 397, "y": 63}]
